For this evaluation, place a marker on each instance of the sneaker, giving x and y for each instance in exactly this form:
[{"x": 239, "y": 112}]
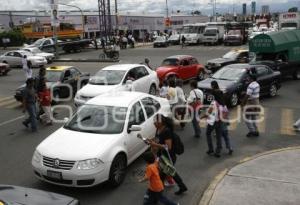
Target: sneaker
[
  {"x": 180, "y": 191},
  {"x": 230, "y": 151},
  {"x": 25, "y": 124},
  {"x": 210, "y": 153},
  {"x": 256, "y": 134},
  {"x": 250, "y": 134},
  {"x": 197, "y": 136},
  {"x": 217, "y": 155}
]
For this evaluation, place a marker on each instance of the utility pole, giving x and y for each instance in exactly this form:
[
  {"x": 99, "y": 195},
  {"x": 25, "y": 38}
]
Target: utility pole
[{"x": 117, "y": 19}]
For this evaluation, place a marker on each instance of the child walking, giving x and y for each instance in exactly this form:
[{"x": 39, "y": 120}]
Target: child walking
[{"x": 155, "y": 189}]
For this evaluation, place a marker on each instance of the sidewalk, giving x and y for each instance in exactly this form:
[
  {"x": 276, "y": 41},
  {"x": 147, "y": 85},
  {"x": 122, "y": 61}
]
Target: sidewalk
[{"x": 271, "y": 178}]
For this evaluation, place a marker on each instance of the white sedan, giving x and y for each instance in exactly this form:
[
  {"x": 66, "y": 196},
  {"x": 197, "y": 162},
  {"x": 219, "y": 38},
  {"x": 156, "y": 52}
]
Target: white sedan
[
  {"x": 14, "y": 58},
  {"x": 99, "y": 141},
  {"x": 37, "y": 52},
  {"x": 125, "y": 77}
]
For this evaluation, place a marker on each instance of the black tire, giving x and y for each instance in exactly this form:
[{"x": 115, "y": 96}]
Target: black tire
[
  {"x": 273, "y": 90},
  {"x": 233, "y": 100},
  {"x": 152, "y": 90},
  {"x": 296, "y": 74},
  {"x": 117, "y": 170}
]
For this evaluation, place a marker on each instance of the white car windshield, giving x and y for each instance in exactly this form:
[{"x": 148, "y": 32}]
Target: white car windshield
[
  {"x": 160, "y": 38},
  {"x": 98, "y": 119},
  {"x": 107, "y": 77},
  {"x": 229, "y": 73},
  {"x": 38, "y": 42}
]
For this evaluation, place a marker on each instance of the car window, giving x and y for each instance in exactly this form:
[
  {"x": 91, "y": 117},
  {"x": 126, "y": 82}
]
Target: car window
[
  {"x": 10, "y": 54},
  {"x": 141, "y": 72},
  {"x": 193, "y": 61},
  {"x": 131, "y": 75},
  {"x": 47, "y": 42},
  {"x": 136, "y": 116},
  {"x": 151, "y": 106},
  {"x": 67, "y": 74},
  {"x": 184, "y": 62},
  {"x": 16, "y": 54},
  {"x": 262, "y": 70},
  {"x": 74, "y": 72}
]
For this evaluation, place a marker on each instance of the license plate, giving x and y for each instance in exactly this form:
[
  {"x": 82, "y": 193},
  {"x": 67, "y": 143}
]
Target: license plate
[{"x": 54, "y": 174}]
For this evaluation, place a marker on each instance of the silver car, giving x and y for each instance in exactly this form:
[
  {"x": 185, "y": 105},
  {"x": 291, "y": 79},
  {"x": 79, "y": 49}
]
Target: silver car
[
  {"x": 37, "y": 52},
  {"x": 14, "y": 58}
]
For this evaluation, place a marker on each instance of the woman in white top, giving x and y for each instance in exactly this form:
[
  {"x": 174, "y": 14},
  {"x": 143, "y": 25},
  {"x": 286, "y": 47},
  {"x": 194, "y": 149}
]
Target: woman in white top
[
  {"x": 172, "y": 94},
  {"x": 181, "y": 104}
]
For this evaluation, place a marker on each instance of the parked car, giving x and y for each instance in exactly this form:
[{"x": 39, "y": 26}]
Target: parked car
[
  {"x": 14, "y": 58},
  {"x": 58, "y": 78},
  {"x": 160, "y": 41},
  {"x": 184, "y": 67},
  {"x": 99, "y": 141},
  {"x": 4, "y": 68},
  {"x": 174, "y": 39},
  {"x": 14, "y": 195},
  {"x": 234, "y": 37},
  {"x": 37, "y": 52},
  {"x": 233, "y": 56},
  {"x": 234, "y": 80},
  {"x": 130, "y": 77}
]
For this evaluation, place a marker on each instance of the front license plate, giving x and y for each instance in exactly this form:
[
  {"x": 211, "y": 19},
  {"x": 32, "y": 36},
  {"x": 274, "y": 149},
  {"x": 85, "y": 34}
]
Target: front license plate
[{"x": 54, "y": 174}]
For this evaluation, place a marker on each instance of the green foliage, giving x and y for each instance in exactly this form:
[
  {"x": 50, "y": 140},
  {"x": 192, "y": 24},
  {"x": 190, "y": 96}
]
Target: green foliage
[{"x": 16, "y": 37}]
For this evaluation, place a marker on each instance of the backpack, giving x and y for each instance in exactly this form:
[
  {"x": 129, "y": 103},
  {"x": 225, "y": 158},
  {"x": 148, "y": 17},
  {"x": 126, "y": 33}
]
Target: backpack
[{"x": 178, "y": 146}]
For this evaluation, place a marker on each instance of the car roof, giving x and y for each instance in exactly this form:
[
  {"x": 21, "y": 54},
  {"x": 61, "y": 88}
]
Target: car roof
[
  {"x": 58, "y": 68},
  {"x": 117, "y": 99},
  {"x": 180, "y": 57},
  {"x": 124, "y": 67}
]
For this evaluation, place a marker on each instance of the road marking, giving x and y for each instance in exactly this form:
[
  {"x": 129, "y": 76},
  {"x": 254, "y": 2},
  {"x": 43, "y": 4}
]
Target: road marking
[
  {"x": 14, "y": 105},
  {"x": 8, "y": 102},
  {"x": 262, "y": 125},
  {"x": 12, "y": 120},
  {"x": 287, "y": 122},
  {"x": 6, "y": 98}
]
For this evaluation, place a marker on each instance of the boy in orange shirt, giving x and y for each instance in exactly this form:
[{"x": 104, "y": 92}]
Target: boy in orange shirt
[{"x": 155, "y": 190}]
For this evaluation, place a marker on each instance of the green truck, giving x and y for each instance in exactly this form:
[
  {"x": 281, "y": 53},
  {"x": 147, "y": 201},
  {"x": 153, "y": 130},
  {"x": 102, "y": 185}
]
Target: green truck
[{"x": 279, "y": 50}]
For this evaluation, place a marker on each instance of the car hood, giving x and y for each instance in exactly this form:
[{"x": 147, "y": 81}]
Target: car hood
[
  {"x": 16, "y": 195},
  {"x": 45, "y": 54},
  {"x": 223, "y": 84},
  {"x": 75, "y": 146},
  {"x": 220, "y": 60},
  {"x": 94, "y": 90}
]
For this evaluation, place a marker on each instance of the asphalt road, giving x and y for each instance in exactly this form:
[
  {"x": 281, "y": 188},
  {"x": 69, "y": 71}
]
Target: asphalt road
[{"x": 196, "y": 168}]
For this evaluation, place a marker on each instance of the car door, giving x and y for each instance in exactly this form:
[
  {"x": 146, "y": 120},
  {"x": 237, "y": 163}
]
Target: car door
[
  {"x": 133, "y": 143},
  {"x": 264, "y": 78},
  {"x": 9, "y": 58},
  {"x": 143, "y": 80},
  {"x": 185, "y": 69},
  {"x": 17, "y": 58}
]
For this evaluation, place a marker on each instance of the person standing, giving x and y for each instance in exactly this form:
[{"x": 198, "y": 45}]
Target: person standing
[
  {"x": 27, "y": 67},
  {"x": 155, "y": 189},
  {"x": 251, "y": 104},
  {"x": 223, "y": 115},
  {"x": 172, "y": 94},
  {"x": 195, "y": 101},
  {"x": 164, "y": 146},
  {"x": 214, "y": 124},
  {"x": 45, "y": 102},
  {"x": 183, "y": 41},
  {"x": 163, "y": 90},
  {"x": 181, "y": 109},
  {"x": 29, "y": 104}
]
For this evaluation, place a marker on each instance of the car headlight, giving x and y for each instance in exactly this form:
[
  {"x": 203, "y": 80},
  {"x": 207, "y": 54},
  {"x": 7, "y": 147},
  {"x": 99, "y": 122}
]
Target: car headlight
[
  {"x": 37, "y": 157},
  {"x": 88, "y": 164}
]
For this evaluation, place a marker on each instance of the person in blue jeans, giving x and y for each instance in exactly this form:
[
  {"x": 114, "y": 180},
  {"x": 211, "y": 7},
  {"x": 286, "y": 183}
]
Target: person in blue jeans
[{"x": 29, "y": 104}]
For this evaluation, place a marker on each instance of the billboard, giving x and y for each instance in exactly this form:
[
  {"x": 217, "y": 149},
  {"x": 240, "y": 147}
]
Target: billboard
[{"x": 54, "y": 13}]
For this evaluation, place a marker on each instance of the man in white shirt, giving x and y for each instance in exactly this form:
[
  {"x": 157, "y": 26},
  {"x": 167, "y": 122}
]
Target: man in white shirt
[
  {"x": 251, "y": 100},
  {"x": 195, "y": 100},
  {"x": 26, "y": 67}
]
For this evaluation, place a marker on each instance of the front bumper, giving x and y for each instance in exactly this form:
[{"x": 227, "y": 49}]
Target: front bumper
[
  {"x": 73, "y": 177},
  {"x": 209, "y": 40}
]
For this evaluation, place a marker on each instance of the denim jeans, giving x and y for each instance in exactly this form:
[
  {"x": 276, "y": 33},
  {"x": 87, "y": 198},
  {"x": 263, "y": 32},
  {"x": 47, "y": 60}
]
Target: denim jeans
[
  {"x": 209, "y": 130},
  {"x": 152, "y": 198},
  {"x": 224, "y": 134},
  {"x": 31, "y": 109},
  {"x": 251, "y": 123},
  {"x": 195, "y": 122}
]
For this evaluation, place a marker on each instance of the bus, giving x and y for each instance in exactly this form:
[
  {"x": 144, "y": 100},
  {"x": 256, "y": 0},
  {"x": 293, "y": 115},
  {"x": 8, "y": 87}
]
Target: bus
[{"x": 193, "y": 33}]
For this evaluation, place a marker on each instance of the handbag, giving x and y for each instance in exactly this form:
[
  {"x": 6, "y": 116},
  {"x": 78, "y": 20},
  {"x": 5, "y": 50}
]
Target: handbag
[
  {"x": 196, "y": 103},
  {"x": 166, "y": 165}
]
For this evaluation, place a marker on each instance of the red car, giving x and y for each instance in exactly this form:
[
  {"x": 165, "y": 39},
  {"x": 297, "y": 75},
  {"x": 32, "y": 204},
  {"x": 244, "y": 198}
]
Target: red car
[
  {"x": 181, "y": 66},
  {"x": 4, "y": 68}
]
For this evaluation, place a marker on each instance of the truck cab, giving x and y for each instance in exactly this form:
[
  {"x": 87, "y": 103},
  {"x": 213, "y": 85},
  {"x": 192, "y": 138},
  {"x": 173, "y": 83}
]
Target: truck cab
[{"x": 211, "y": 35}]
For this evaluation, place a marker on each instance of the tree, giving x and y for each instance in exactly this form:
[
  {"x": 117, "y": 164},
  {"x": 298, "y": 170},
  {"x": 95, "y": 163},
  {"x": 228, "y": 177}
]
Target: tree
[
  {"x": 293, "y": 9},
  {"x": 196, "y": 12}
]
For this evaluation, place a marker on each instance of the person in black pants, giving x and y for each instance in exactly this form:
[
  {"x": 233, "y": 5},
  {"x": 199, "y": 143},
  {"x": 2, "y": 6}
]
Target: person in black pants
[{"x": 164, "y": 146}]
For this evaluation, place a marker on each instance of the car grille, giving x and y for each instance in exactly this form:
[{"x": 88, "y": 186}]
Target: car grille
[{"x": 62, "y": 164}]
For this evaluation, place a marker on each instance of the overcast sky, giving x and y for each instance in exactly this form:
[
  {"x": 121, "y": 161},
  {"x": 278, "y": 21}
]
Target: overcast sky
[{"x": 154, "y": 6}]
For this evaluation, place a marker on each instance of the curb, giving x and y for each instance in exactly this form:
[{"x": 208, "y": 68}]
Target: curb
[
  {"x": 86, "y": 60},
  {"x": 210, "y": 191}
]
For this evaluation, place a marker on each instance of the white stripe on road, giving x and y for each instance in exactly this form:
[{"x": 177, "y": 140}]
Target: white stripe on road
[
  {"x": 14, "y": 105},
  {"x": 7, "y": 102},
  {"x": 12, "y": 120},
  {"x": 6, "y": 98}
]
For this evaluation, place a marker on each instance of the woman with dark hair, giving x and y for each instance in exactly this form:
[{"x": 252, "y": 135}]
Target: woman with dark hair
[{"x": 164, "y": 146}]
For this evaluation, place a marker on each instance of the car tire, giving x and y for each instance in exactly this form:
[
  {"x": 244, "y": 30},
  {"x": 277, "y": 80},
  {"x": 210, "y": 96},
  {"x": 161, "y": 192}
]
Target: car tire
[
  {"x": 233, "y": 100},
  {"x": 117, "y": 170},
  {"x": 201, "y": 75},
  {"x": 296, "y": 74},
  {"x": 152, "y": 90},
  {"x": 273, "y": 90}
]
